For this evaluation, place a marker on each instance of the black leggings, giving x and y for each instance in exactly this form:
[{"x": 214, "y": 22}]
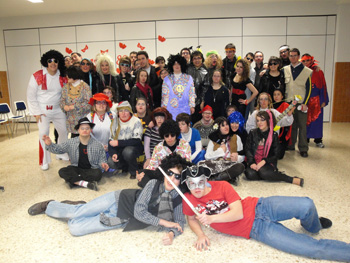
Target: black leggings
[
  {"x": 72, "y": 174},
  {"x": 267, "y": 172}
]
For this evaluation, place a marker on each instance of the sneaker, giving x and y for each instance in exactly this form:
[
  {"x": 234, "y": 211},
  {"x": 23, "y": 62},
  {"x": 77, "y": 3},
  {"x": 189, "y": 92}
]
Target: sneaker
[
  {"x": 63, "y": 157},
  {"x": 92, "y": 186},
  {"x": 320, "y": 145},
  {"x": 325, "y": 222},
  {"x": 44, "y": 167}
]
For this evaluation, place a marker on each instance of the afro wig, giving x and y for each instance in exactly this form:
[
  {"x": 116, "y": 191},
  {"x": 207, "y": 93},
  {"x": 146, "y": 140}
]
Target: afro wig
[
  {"x": 56, "y": 55},
  {"x": 179, "y": 59},
  {"x": 168, "y": 127},
  {"x": 173, "y": 160}
]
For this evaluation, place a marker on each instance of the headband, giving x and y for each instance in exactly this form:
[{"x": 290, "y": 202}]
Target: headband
[{"x": 283, "y": 47}]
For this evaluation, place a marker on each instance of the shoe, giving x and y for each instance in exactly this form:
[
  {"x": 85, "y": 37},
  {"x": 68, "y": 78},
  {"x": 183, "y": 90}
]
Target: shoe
[
  {"x": 73, "y": 202},
  {"x": 132, "y": 176},
  {"x": 92, "y": 186},
  {"x": 44, "y": 167},
  {"x": 290, "y": 149},
  {"x": 63, "y": 157},
  {"x": 38, "y": 208},
  {"x": 320, "y": 145},
  {"x": 304, "y": 154},
  {"x": 325, "y": 222}
]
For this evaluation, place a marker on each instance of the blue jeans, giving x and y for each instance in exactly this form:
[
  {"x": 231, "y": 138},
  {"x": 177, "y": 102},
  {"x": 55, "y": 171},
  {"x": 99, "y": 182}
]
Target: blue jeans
[
  {"x": 268, "y": 230},
  {"x": 84, "y": 219}
]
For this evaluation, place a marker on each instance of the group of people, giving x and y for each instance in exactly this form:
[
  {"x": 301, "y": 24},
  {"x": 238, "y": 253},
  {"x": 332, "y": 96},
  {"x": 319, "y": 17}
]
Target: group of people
[{"x": 192, "y": 119}]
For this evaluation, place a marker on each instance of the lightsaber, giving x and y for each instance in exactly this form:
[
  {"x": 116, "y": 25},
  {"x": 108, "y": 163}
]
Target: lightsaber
[{"x": 180, "y": 193}]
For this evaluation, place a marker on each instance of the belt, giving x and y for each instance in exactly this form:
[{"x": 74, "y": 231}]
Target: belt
[{"x": 238, "y": 91}]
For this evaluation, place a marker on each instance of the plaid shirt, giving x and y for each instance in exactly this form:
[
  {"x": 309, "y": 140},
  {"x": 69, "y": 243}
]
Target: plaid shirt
[
  {"x": 96, "y": 152},
  {"x": 141, "y": 209}
]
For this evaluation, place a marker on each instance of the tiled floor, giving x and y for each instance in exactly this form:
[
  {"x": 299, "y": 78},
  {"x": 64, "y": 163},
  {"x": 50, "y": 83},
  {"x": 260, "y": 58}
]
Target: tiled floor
[{"x": 25, "y": 238}]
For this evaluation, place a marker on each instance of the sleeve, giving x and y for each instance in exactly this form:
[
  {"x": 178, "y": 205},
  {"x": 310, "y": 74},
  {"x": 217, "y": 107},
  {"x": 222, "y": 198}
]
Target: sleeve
[
  {"x": 240, "y": 149},
  {"x": 58, "y": 148},
  {"x": 33, "y": 104},
  {"x": 307, "y": 90},
  {"x": 251, "y": 122},
  {"x": 165, "y": 93},
  {"x": 147, "y": 144},
  {"x": 178, "y": 218},
  {"x": 211, "y": 154},
  {"x": 156, "y": 157},
  {"x": 185, "y": 208},
  {"x": 285, "y": 121},
  {"x": 323, "y": 92},
  {"x": 141, "y": 206},
  {"x": 249, "y": 151},
  {"x": 85, "y": 106},
  {"x": 198, "y": 143},
  {"x": 192, "y": 95},
  {"x": 101, "y": 154},
  {"x": 133, "y": 98},
  {"x": 64, "y": 96}
]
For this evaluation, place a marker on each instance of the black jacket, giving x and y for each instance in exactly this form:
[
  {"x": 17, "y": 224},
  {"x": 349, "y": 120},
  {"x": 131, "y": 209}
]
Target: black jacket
[
  {"x": 254, "y": 137},
  {"x": 124, "y": 95},
  {"x": 267, "y": 86}
]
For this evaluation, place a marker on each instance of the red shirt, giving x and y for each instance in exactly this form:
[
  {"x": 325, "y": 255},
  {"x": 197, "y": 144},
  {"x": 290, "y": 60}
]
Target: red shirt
[{"x": 217, "y": 202}]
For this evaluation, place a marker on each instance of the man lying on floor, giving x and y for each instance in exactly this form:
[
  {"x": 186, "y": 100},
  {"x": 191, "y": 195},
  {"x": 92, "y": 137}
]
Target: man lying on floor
[
  {"x": 157, "y": 204},
  {"x": 221, "y": 207}
]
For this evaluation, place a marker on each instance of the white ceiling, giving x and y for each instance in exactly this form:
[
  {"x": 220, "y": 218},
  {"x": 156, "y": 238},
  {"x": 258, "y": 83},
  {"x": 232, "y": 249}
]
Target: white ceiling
[{"x": 12, "y": 8}]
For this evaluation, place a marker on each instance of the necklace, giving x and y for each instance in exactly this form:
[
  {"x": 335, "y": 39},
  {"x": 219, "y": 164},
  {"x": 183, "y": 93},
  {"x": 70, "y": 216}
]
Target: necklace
[{"x": 215, "y": 93}]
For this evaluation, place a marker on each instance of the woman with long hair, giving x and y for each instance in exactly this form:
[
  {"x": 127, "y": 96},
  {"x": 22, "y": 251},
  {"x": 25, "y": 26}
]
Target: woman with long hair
[
  {"x": 262, "y": 152},
  {"x": 106, "y": 73},
  {"x": 142, "y": 89},
  {"x": 240, "y": 82}
]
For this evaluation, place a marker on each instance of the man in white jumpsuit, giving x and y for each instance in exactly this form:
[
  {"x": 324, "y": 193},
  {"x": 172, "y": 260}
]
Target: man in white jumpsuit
[{"x": 43, "y": 97}]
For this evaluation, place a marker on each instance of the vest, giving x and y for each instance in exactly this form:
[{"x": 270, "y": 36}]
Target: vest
[
  {"x": 232, "y": 143},
  {"x": 41, "y": 79},
  {"x": 297, "y": 86},
  {"x": 126, "y": 204}
]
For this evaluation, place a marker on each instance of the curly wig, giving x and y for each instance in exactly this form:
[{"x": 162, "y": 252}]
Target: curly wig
[
  {"x": 173, "y": 160},
  {"x": 179, "y": 59},
  {"x": 56, "y": 55},
  {"x": 160, "y": 111},
  {"x": 105, "y": 58},
  {"x": 208, "y": 61},
  {"x": 169, "y": 126},
  {"x": 236, "y": 117}
]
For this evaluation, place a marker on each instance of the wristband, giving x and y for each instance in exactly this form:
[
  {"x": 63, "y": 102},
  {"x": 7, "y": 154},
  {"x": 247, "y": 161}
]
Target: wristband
[{"x": 245, "y": 102}]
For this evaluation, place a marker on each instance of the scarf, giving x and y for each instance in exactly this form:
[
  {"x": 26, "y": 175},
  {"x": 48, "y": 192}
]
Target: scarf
[
  {"x": 145, "y": 89},
  {"x": 165, "y": 210}
]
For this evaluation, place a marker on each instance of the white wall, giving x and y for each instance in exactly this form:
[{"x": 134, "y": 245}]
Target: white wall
[{"x": 76, "y": 35}]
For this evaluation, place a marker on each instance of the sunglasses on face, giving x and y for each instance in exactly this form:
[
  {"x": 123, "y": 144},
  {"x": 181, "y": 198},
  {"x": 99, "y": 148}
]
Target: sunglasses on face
[
  {"x": 250, "y": 59},
  {"x": 284, "y": 51},
  {"x": 124, "y": 65},
  {"x": 177, "y": 176},
  {"x": 52, "y": 60},
  {"x": 85, "y": 63},
  {"x": 169, "y": 134},
  {"x": 273, "y": 63}
]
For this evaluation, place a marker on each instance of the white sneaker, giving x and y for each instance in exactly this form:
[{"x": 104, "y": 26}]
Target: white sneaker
[
  {"x": 63, "y": 157},
  {"x": 44, "y": 167}
]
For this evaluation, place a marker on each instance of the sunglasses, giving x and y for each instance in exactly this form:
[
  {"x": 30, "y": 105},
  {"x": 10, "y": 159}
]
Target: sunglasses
[
  {"x": 124, "y": 65},
  {"x": 250, "y": 59},
  {"x": 177, "y": 176},
  {"x": 52, "y": 60},
  {"x": 284, "y": 51},
  {"x": 169, "y": 134},
  {"x": 85, "y": 63},
  {"x": 273, "y": 63}
]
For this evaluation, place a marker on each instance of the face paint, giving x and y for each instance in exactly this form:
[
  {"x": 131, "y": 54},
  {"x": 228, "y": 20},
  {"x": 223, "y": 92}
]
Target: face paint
[{"x": 197, "y": 182}]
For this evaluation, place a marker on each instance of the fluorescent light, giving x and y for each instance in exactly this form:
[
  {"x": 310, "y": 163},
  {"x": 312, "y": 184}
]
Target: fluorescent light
[{"x": 36, "y": 1}]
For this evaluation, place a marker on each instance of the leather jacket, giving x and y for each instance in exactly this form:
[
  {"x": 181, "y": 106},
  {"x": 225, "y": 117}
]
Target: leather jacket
[
  {"x": 200, "y": 80},
  {"x": 254, "y": 137},
  {"x": 265, "y": 83}
]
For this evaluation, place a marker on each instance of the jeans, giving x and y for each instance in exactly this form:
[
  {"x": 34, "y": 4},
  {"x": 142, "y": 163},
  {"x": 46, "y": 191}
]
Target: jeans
[
  {"x": 84, "y": 219},
  {"x": 268, "y": 230}
]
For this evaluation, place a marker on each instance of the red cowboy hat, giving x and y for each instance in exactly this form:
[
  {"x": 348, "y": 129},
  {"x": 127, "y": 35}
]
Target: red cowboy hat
[{"x": 100, "y": 97}]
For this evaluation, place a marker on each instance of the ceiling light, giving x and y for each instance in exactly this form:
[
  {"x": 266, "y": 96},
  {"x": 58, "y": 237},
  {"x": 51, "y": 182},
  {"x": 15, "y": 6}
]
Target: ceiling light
[{"x": 36, "y": 1}]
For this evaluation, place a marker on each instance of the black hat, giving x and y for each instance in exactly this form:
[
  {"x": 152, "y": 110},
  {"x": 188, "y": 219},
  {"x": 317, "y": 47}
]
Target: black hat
[
  {"x": 195, "y": 171},
  {"x": 84, "y": 121}
]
